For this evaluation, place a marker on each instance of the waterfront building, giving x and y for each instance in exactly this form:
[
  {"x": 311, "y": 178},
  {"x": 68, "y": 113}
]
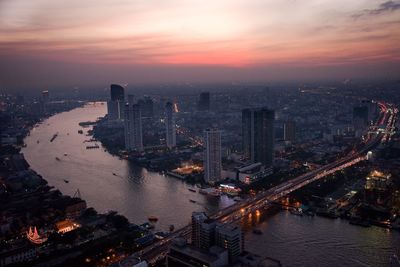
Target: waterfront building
[
  {"x": 197, "y": 219},
  {"x": 258, "y": 135},
  {"x": 377, "y": 187},
  {"x": 170, "y": 125},
  {"x": 248, "y": 173},
  {"x": 184, "y": 255},
  {"x": 133, "y": 127},
  {"x": 207, "y": 234},
  {"x": 21, "y": 255},
  {"x": 230, "y": 237},
  {"x": 212, "y": 156},
  {"x": 115, "y": 106},
  {"x": 204, "y": 101},
  {"x": 66, "y": 226}
]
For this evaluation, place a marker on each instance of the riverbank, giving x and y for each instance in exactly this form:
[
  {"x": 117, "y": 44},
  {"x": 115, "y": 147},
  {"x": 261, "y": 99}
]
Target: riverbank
[{"x": 40, "y": 225}]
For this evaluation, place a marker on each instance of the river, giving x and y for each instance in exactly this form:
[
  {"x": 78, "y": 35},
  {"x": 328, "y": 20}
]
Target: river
[{"x": 137, "y": 193}]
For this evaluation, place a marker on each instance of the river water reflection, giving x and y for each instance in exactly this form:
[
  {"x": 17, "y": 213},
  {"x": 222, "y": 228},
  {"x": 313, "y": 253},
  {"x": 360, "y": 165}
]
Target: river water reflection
[{"x": 137, "y": 193}]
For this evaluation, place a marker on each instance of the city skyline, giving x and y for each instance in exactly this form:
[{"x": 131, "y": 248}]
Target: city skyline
[
  {"x": 199, "y": 133},
  {"x": 45, "y": 44}
]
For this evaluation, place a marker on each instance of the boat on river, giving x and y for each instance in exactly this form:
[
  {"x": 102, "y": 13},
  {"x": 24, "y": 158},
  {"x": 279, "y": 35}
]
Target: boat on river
[{"x": 152, "y": 219}]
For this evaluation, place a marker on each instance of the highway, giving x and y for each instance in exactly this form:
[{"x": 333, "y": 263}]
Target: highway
[{"x": 387, "y": 118}]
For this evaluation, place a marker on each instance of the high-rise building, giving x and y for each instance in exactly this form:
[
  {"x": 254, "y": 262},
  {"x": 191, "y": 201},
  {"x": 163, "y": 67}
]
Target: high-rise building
[
  {"x": 230, "y": 237},
  {"x": 133, "y": 127},
  {"x": 204, "y": 101},
  {"x": 197, "y": 219},
  {"x": 116, "y": 105},
  {"x": 207, "y": 234},
  {"x": 117, "y": 92},
  {"x": 258, "y": 135},
  {"x": 183, "y": 255},
  {"x": 170, "y": 125},
  {"x": 289, "y": 131},
  {"x": 212, "y": 156}
]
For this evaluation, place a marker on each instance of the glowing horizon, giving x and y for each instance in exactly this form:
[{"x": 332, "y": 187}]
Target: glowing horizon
[{"x": 235, "y": 34}]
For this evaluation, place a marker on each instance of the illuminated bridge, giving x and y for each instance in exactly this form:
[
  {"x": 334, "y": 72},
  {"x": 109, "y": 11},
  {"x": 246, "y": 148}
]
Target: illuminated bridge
[{"x": 158, "y": 250}]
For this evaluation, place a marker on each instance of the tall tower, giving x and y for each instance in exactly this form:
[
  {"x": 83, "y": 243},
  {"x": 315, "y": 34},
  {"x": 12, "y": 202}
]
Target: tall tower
[
  {"x": 212, "y": 155},
  {"x": 258, "y": 135},
  {"x": 170, "y": 125},
  {"x": 133, "y": 127},
  {"x": 115, "y": 106}
]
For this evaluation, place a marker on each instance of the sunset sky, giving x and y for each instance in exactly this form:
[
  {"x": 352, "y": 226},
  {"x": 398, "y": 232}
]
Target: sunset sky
[{"x": 45, "y": 43}]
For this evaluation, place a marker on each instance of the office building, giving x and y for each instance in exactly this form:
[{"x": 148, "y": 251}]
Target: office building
[
  {"x": 181, "y": 254},
  {"x": 170, "y": 125},
  {"x": 197, "y": 219},
  {"x": 116, "y": 105},
  {"x": 204, "y": 101},
  {"x": 258, "y": 135},
  {"x": 289, "y": 131},
  {"x": 207, "y": 234},
  {"x": 133, "y": 127},
  {"x": 117, "y": 92},
  {"x": 230, "y": 237},
  {"x": 212, "y": 156}
]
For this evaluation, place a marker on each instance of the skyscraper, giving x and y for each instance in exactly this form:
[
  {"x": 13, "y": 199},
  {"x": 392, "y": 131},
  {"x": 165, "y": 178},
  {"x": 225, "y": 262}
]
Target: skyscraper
[
  {"x": 212, "y": 155},
  {"x": 133, "y": 127},
  {"x": 117, "y": 92},
  {"x": 289, "y": 131},
  {"x": 258, "y": 135},
  {"x": 115, "y": 106},
  {"x": 170, "y": 125},
  {"x": 204, "y": 101}
]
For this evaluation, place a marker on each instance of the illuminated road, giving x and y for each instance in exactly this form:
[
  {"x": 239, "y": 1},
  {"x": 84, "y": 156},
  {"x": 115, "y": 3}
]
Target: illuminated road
[{"x": 387, "y": 119}]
